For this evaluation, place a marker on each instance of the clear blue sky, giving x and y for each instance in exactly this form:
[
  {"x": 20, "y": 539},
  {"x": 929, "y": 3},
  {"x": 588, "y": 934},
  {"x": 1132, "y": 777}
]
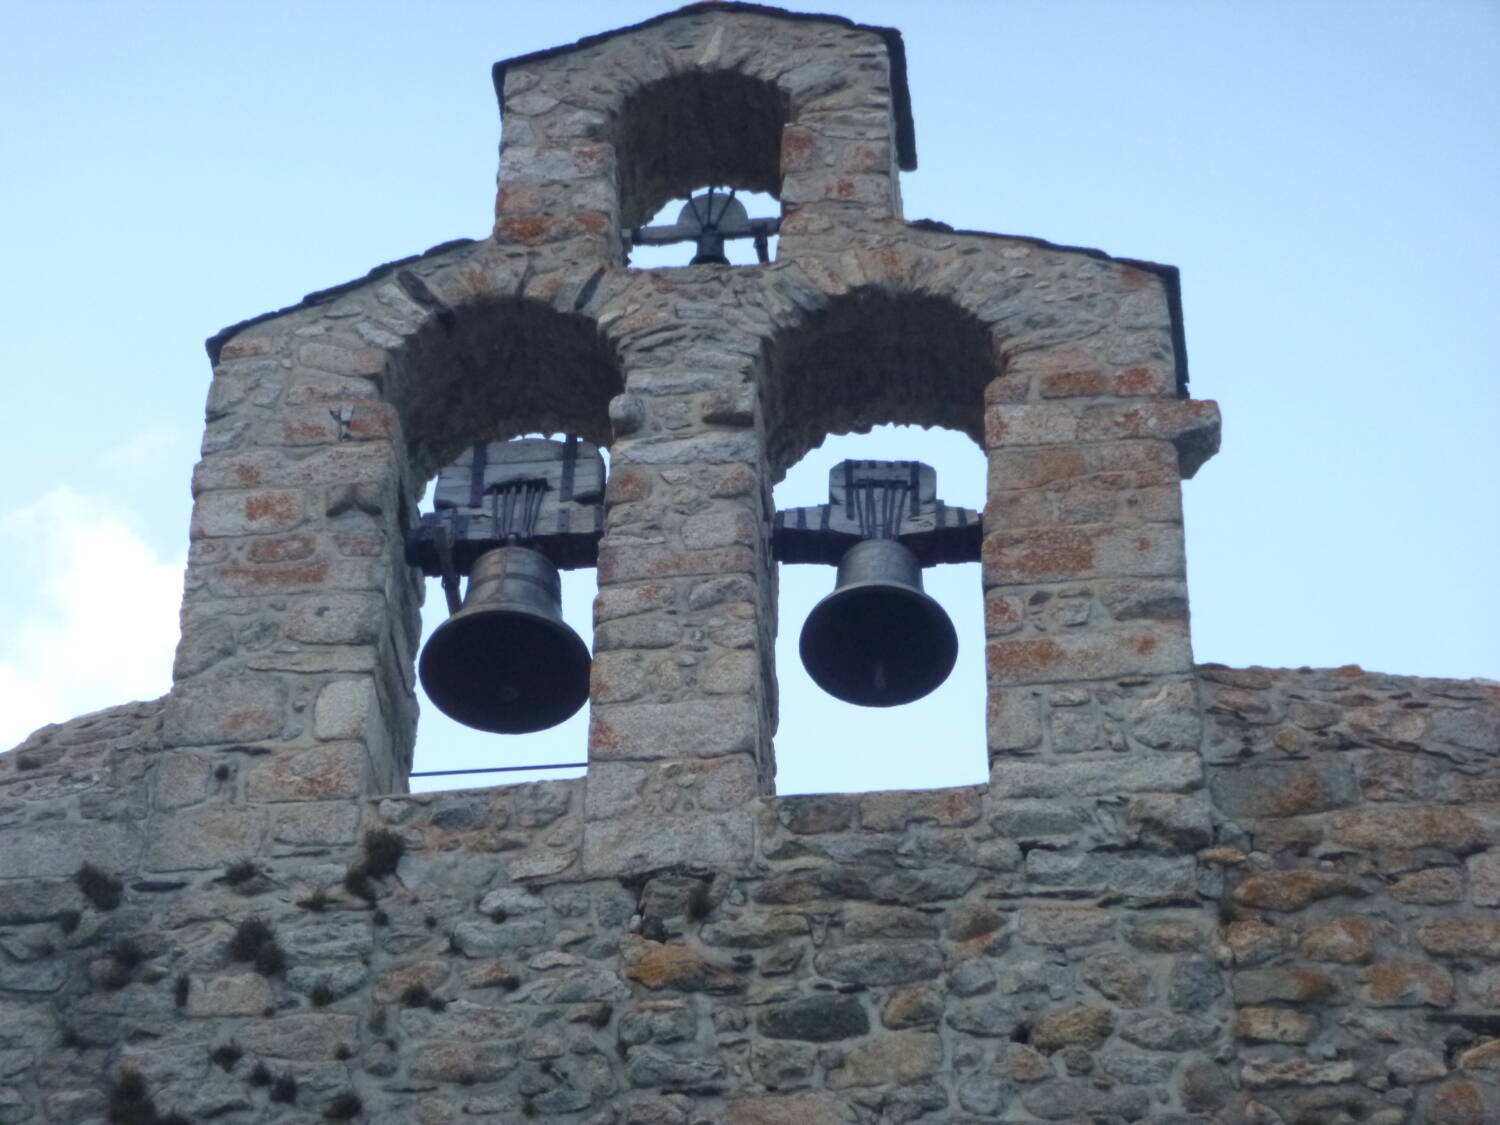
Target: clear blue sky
[{"x": 1324, "y": 174}]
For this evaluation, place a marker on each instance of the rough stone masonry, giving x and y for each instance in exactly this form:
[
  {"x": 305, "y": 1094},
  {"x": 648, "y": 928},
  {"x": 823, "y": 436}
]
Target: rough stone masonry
[{"x": 1188, "y": 894}]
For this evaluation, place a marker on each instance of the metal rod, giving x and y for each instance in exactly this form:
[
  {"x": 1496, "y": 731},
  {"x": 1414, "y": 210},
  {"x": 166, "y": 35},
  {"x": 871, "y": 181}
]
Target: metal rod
[
  {"x": 442, "y": 539},
  {"x": 501, "y": 769}
]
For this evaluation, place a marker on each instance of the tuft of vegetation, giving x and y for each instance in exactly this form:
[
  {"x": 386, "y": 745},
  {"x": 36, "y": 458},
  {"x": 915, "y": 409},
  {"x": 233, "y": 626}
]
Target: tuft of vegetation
[
  {"x": 430, "y": 921},
  {"x": 180, "y": 989},
  {"x": 378, "y": 1022},
  {"x": 254, "y": 941},
  {"x": 415, "y": 996},
  {"x": 383, "y": 851},
  {"x": 241, "y": 872},
  {"x": 113, "y": 976},
  {"x": 26, "y": 762},
  {"x": 436, "y": 1004},
  {"x": 222, "y": 771},
  {"x": 343, "y": 1052},
  {"x": 317, "y": 902},
  {"x": 259, "y": 1075},
  {"x": 321, "y": 995},
  {"x": 125, "y": 956},
  {"x": 249, "y": 936},
  {"x": 226, "y": 1056},
  {"x": 129, "y": 1103},
  {"x": 357, "y": 883},
  {"x": 70, "y": 1039},
  {"x": 269, "y": 959},
  {"x": 343, "y": 1107},
  {"x": 380, "y": 918},
  {"x": 99, "y": 887},
  {"x": 68, "y": 920},
  {"x": 284, "y": 1089},
  {"x": 128, "y": 953}
]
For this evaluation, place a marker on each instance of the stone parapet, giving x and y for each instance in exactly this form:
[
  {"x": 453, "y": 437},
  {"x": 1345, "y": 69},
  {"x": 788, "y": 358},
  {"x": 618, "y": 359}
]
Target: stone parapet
[{"x": 1278, "y": 899}]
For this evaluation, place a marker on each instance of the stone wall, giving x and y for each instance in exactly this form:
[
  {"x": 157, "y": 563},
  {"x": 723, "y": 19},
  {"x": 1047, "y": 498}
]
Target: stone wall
[
  {"x": 1305, "y": 934},
  {"x": 1184, "y": 895},
  {"x": 1362, "y": 837}
]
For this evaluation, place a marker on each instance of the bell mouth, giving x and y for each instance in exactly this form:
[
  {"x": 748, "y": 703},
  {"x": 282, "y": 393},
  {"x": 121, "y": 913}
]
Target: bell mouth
[
  {"x": 505, "y": 672},
  {"x": 878, "y": 644}
]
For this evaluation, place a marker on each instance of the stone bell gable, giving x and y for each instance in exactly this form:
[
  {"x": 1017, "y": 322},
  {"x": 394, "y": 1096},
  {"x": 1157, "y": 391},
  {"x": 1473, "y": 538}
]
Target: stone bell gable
[{"x": 1186, "y": 894}]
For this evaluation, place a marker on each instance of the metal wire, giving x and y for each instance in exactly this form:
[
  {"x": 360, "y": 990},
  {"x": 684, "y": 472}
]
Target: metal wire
[{"x": 501, "y": 769}]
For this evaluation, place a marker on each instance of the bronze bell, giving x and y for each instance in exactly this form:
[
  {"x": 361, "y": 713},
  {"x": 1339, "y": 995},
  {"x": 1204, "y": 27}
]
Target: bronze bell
[
  {"x": 506, "y": 662},
  {"x": 878, "y": 640},
  {"x": 710, "y": 250}
]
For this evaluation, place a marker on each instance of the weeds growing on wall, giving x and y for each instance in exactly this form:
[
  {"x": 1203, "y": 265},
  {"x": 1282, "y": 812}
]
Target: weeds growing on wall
[
  {"x": 254, "y": 941},
  {"x": 99, "y": 887}
]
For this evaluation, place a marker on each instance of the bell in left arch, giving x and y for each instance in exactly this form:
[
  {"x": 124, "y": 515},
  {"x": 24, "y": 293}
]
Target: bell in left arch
[{"x": 506, "y": 662}]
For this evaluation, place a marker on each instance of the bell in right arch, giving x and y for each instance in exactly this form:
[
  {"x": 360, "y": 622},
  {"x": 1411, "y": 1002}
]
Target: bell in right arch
[{"x": 878, "y": 640}]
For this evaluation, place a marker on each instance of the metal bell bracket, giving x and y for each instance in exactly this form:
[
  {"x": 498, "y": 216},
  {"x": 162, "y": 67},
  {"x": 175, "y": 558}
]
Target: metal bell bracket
[
  {"x": 878, "y": 500},
  {"x": 533, "y": 492},
  {"x": 709, "y": 219}
]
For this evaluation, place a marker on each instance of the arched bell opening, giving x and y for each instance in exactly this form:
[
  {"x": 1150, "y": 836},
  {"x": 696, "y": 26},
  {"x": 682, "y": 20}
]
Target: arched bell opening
[
  {"x": 824, "y": 744},
  {"x": 873, "y": 356},
  {"x": 498, "y": 369},
  {"x": 679, "y": 137},
  {"x": 513, "y": 398},
  {"x": 873, "y": 368},
  {"x": 447, "y": 744}
]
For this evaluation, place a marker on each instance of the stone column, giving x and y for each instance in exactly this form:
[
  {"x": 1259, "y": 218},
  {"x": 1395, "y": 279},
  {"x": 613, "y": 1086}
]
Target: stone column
[
  {"x": 1085, "y": 574},
  {"x": 680, "y": 736},
  {"x": 292, "y": 679},
  {"x": 1094, "y": 727}
]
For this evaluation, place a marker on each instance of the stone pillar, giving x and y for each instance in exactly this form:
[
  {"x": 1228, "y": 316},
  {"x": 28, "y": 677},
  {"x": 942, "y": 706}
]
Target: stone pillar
[
  {"x": 1085, "y": 574},
  {"x": 680, "y": 737},
  {"x": 292, "y": 684},
  {"x": 1094, "y": 726}
]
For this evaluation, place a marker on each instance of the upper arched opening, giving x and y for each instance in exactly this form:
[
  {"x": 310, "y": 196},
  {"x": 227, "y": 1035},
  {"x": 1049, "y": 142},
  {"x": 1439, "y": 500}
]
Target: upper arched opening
[
  {"x": 499, "y": 369},
  {"x": 873, "y": 356},
  {"x": 699, "y": 127}
]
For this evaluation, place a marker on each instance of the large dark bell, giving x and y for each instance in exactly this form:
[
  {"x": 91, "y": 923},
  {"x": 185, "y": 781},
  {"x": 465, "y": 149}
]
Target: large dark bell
[
  {"x": 506, "y": 662},
  {"x": 878, "y": 640}
]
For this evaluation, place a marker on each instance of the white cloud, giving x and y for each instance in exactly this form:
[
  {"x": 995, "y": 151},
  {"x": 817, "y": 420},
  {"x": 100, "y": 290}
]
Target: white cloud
[{"x": 92, "y": 614}]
